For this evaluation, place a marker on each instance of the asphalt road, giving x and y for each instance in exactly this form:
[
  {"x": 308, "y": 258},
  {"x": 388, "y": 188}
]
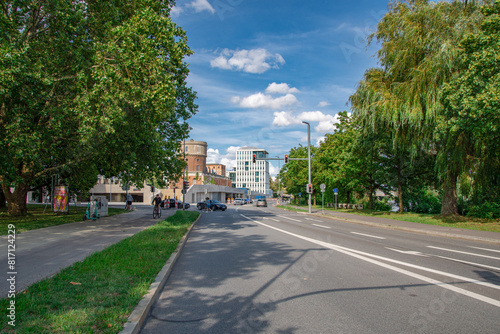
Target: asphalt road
[
  {"x": 44, "y": 252},
  {"x": 265, "y": 270}
]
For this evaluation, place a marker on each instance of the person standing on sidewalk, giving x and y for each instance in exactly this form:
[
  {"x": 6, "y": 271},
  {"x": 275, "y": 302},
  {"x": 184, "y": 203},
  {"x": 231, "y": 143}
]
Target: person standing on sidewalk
[{"x": 129, "y": 199}]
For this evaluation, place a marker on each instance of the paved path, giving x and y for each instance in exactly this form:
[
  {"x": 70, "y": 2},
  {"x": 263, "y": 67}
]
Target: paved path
[{"x": 44, "y": 252}]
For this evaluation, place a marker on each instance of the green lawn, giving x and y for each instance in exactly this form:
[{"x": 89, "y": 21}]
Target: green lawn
[
  {"x": 98, "y": 294},
  {"x": 36, "y": 218},
  {"x": 492, "y": 225}
]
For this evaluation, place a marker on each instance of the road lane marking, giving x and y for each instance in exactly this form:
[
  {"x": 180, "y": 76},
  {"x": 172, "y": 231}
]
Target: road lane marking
[
  {"x": 276, "y": 220},
  {"x": 408, "y": 252},
  {"x": 290, "y": 218},
  {"x": 486, "y": 249},
  {"x": 321, "y": 226},
  {"x": 456, "y": 251},
  {"x": 314, "y": 220},
  {"x": 467, "y": 262},
  {"x": 368, "y": 235},
  {"x": 369, "y": 258}
]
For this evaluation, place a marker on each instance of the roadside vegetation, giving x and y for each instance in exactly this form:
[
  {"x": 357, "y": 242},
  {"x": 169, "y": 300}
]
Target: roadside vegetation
[
  {"x": 40, "y": 216},
  {"x": 468, "y": 223},
  {"x": 98, "y": 294}
]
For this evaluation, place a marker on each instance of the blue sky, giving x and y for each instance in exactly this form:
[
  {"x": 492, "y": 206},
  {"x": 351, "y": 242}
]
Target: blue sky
[{"x": 260, "y": 68}]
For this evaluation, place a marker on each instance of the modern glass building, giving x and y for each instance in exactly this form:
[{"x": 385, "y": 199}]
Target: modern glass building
[{"x": 252, "y": 175}]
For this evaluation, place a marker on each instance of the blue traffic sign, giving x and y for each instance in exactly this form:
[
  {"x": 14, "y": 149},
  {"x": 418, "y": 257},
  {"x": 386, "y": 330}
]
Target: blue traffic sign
[{"x": 336, "y": 191}]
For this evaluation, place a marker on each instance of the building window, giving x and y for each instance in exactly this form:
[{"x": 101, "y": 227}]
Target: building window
[{"x": 197, "y": 168}]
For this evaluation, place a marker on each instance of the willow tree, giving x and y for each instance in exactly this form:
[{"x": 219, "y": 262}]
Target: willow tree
[
  {"x": 90, "y": 87},
  {"x": 472, "y": 101},
  {"x": 419, "y": 53}
]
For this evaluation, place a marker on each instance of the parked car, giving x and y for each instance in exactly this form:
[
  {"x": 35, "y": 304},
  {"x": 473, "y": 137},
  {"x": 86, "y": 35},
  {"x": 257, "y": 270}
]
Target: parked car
[
  {"x": 180, "y": 205},
  {"x": 261, "y": 202},
  {"x": 214, "y": 205},
  {"x": 238, "y": 201}
]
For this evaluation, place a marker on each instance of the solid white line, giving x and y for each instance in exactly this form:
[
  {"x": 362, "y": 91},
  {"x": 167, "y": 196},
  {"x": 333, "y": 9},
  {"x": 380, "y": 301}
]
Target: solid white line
[
  {"x": 358, "y": 254},
  {"x": 321, "y": 226},
  {"x": 486, "y": 249},
  {"x": 368, "y": 235},
  {"x": 314, "y": 220},
  {"x": 290, "y": 218},
  {"x": 276, "y": 220},
  {"x": 455, "y": 251},
  {"x": 467, "y": 262}
]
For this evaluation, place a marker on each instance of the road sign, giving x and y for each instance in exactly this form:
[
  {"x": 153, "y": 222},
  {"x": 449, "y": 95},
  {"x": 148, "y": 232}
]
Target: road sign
[
  {"x": 335, "y": 191},
  {"x": 323, "y": 187},
  {"x": 125, "y": 188}
]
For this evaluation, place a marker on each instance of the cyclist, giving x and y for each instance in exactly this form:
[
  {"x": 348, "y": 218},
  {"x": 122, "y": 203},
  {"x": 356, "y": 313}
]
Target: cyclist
[{"x": 157, "y": 201}]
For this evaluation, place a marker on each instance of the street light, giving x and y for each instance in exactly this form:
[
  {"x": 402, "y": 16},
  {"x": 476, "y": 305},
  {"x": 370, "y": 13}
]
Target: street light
[{"x": 309, "y": 158}]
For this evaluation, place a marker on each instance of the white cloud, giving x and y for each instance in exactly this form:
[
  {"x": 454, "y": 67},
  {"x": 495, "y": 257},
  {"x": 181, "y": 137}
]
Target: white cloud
[
  {"x": 250, "y": 61},
  {"x": 176, "y": 11},
  {"x": 325, "y": 122},
  {"x": 282, "y": 88},
  {"x": 202, "y": 5},
  {"x": 229, "y": 159},
  {"x": 260, "y": 100},
  {"x": 323, "y": 104},
  {"x": 285, "y": 118}
]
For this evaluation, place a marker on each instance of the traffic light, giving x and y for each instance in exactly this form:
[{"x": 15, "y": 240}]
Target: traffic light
[
  {"x": 309, "y": 188},
  {"x": 254, "y": 158},
  {"x": 286, "y": 158},
  {"x": 185, "y": 185}
]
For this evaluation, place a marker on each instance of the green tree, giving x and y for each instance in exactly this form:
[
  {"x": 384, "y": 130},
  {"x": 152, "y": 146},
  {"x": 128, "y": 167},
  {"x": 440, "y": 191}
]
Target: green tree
[
  {"x": 472, "y": 101},
  {"x": 295, "y": 173},
  {"x": 90, "y": 87},
  {"x": 419, "y": 54}
]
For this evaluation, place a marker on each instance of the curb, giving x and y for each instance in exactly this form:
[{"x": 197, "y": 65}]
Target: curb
[{"x": 141, "y": 311}]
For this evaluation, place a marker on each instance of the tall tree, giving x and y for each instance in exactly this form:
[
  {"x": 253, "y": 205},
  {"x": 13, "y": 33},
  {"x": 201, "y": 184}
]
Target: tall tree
[
  {"x": 419, "y": 54},
  {"x": 472, "y": 101},
  {"x": 90, "y": 87}
]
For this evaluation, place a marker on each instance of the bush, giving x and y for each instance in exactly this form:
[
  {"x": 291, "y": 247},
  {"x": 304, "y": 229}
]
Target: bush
[{"x": 489, "y": 210}]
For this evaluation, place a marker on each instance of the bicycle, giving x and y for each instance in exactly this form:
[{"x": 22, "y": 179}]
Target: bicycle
[{"x": 156, "y": 212}]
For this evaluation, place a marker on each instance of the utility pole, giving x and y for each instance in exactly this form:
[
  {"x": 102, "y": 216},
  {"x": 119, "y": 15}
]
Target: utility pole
[{"x": 309, "y": 159}]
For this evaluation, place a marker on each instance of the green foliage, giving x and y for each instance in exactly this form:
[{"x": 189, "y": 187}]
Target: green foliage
[
  {"x": 419, "y": 54},
  {"x": 90, "y": 87},
  {"x": 488, "y": 210},
  {"x": 472, "y": 101},
  {"x": 421, "y": 200}
]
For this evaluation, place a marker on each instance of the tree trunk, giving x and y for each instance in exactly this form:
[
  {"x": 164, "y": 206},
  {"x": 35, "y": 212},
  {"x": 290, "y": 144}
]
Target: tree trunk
[
  {"x": 348, "y": 197},
  {"x": 3, "y": 202},
  {"x": 449, "y": 204},
  {"x": 400, "y": 195},
  {"x": 16, "y": 199}
]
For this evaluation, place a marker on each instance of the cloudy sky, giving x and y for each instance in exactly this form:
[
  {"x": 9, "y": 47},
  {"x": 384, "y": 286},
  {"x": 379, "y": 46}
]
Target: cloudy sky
[{"x": 261, "y": 67}]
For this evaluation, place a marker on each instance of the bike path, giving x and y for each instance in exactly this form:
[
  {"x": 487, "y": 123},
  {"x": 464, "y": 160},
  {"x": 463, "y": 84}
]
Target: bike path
[{"x": 44, "y": 252}]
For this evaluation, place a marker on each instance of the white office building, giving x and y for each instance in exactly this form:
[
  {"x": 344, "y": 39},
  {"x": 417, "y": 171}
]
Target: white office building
[{"x": 253, "y": 175}]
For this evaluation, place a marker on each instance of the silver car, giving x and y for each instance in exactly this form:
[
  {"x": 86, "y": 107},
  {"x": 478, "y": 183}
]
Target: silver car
[
  {"x": 238, "y": 201},
  {"x": 262, "y": 202}
]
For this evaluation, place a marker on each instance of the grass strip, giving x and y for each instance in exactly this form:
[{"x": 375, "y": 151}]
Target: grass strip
[
  {"x": 98, "y": 294},
  {"x": 467, "y": 223},
  {"x": 37, "y": 218}
]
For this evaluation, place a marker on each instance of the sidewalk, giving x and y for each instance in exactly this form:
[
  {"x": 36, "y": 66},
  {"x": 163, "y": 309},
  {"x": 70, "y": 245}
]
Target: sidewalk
[
  {"x": 450, "y": 232},
  {"x": 44, "y": 252}
]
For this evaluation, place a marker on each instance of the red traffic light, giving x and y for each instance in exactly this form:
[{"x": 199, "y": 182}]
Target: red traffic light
[
  {"x": 254, "y": 158},
  {"x": 286, "y": 158}
]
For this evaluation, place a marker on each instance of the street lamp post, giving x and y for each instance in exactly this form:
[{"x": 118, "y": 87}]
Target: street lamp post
[
  {"x": 279, "y": 180},
  {"x": 309, "y": 158}
]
